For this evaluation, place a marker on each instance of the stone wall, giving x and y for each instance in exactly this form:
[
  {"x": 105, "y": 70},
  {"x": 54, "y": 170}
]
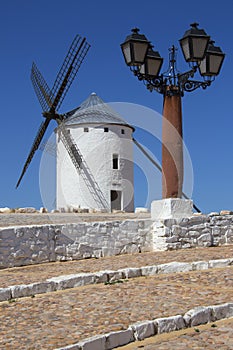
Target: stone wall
[
  {"x": 36, "y": 244},
  {"x": 198, "y": 231}
]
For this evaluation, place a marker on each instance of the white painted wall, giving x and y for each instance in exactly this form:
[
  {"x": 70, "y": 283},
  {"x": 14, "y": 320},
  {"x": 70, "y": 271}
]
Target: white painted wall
[{"x": 97, "y": 148}]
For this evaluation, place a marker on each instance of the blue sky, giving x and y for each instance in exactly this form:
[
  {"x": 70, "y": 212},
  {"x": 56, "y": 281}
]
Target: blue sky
[{"x": 42, "y": 31}]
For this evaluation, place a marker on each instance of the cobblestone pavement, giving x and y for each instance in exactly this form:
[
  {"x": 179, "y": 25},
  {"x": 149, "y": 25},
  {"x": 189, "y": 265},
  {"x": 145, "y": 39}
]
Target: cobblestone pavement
[
  {"x": 52, "y": 320},
  {"x": 214, "y": 336},
  {"x": 18, "y": 219},
  {"x": 40, "y": 272}
]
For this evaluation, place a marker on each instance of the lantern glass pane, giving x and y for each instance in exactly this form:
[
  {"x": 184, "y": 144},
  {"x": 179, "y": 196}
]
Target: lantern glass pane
[
  {"x": 199, "y": 47},
  {"x": 140, "y": 50},
  {"x": 143, "y": 69},
  {"x": 215, "y": 64},
  {"x": 127, "y": 53},
  {"x": 153, "y": 66},
  {"x": 202, "y": 67},
  {"x": 185, "y": 48}
]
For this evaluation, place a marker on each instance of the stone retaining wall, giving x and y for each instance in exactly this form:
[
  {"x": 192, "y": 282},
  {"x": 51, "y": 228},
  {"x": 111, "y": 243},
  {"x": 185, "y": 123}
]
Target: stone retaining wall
[
  {"x": 36, "y": 244},
  {"x": 198, "y": 231}
]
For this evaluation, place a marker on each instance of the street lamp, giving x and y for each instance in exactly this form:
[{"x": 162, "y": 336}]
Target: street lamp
[{"x": 201, "y": 55}]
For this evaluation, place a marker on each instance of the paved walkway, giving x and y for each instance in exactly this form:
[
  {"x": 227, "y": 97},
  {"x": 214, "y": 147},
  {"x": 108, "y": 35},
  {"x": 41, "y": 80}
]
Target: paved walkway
[{"x": 52, "y": 320}]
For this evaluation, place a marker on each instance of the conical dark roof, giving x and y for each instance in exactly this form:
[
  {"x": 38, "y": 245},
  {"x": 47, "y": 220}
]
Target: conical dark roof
[{"x": 94, "y": 110}]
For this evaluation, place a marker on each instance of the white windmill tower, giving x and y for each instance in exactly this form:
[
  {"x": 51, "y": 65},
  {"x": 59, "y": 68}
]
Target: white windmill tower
[{"x": 102, "y": 178}]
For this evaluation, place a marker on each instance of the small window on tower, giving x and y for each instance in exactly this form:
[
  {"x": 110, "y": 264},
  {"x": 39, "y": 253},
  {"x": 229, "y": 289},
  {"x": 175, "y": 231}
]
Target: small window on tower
[
  {"x": 105, "y": 129},
  {"x": 115, "y": 161},
  {"x": 122, "y": 131},
  {"x": 85, "y": 129}
]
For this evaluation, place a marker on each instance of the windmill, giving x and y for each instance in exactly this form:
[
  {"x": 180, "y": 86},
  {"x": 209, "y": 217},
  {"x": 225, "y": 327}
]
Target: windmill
[{"x": 51, "y": 100}]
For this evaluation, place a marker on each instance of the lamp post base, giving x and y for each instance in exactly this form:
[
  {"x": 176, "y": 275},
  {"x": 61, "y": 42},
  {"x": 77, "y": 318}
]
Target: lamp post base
[{"x": 171, "y": 208}]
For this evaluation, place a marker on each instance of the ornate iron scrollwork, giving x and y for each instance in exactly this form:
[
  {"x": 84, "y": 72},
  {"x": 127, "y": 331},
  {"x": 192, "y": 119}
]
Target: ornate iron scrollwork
[
  {"x": 178, "y": 82},
  {"x": 191, "y": 85}
]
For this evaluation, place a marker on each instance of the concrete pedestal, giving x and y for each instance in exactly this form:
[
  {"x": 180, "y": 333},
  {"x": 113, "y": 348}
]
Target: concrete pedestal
[{"x": 171, "y": 208}]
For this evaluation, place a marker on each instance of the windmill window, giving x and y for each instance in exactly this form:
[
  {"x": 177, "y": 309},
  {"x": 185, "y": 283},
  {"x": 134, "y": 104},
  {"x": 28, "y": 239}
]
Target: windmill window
[
  {"x": 85, "y": 129},
  {"x": 105, "y": 129},
  {"x": 122, "y": 131},
  {"x": 115, "y": 161}
]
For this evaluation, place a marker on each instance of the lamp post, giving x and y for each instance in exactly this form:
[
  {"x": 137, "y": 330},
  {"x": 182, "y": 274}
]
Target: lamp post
[{"x": 203, "y": 57}]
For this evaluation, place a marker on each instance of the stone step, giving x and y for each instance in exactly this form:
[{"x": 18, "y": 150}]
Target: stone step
[
  {"x": 142, "y": 330},
  {"x": 107, "y": 277},
  {"x": 70, "y": 316}
]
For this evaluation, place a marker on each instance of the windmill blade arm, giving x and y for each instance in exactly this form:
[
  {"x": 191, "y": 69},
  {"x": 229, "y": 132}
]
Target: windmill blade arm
[
  {"x": 68, "y": 71},
  {"x": 35, "y": 146},
  {"x": 41, "y": 88}
]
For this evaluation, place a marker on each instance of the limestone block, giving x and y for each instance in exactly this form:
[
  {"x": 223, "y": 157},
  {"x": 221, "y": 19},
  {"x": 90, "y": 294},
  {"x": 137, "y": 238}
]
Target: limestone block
[
  {"x": 73, "y": 280},
  {"x": 149, "y": 270},
  {"x": 213, "y": 213},
  {"x": 200, "y": 265},
  {"x": 198, "y": 220},
  {"x": 71, "y": 347},
  {"x": 222, "y": 311},
  {"x": 229, "y": 236},
  {"x": 205, "y": 239},
  {"x": 5, "y": 294},
  {"x": 174, "y": 246},
  {"x": 120, "y": 338},
  {"x": 60, "y": 249},
  {"x": 174, "y": 267},
  {"x": 141, "y": 210},
  {"x": 160, "y": 245},
  {"x": 27, "y": 210},
  {"x": 114, "y": 275},
  {"x": 198, "y": 315},
  {"x": 226, "y": 212},
  {"x": 96, "y": 342},
  {"x": 172, "y": 239},
  {"x": 143, "y": 330},
  {"x": 176, "y": 230},
  {"x": 101, "y": 277},
  {"x": 169, "y": 324},
  {"x": 171, "y": 208},
  {"x": 130, "y": 248},
  {"x": 5, "y": 210},
  {"x": 169, "y": 222},
  {"x": 43, "y": 210},
  {"x": 219, "y": 263},
  {"x": 107, "y": 251},
  {"x": 131, "y": 272},
  {"x": 97, "y": 253},
  {"x": 161, "y": 231},
  {"x": 192, "y": 234},
  {"x": 25, "y": 290}
]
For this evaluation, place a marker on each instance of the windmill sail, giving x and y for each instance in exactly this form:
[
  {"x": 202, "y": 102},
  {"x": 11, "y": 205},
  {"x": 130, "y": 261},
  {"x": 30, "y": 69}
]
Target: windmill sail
[
  {"x": 51, "y": 100},
  {"x": 41, "y": 88},
  {"x": 68, "y": 71},
  {"x": 35, "y": 146}
]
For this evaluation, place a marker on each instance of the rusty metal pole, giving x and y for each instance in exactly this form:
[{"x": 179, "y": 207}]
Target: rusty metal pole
[{"x": 172, "y": 144}]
